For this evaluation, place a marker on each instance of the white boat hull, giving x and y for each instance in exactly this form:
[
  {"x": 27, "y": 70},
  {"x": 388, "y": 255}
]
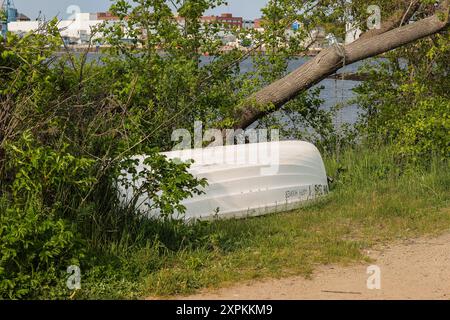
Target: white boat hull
[{"x": 250, "y": 180}]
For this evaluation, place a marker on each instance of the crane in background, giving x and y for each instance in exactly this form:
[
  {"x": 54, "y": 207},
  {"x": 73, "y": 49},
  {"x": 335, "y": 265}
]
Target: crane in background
[{"x": 8, "y": 13}]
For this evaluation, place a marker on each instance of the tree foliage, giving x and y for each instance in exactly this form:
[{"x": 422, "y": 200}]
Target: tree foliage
[{"x": 406, "y": 99}]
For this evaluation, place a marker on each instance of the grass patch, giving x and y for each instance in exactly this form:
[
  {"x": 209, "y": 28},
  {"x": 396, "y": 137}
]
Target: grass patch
[{"x": 374, "y": 199}]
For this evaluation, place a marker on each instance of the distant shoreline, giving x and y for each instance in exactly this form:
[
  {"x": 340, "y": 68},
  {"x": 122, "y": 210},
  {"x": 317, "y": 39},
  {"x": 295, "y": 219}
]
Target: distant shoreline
[{"x": 100, "y": 49}]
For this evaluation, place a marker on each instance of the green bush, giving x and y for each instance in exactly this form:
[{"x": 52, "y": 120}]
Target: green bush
[
  {"x": 426, "y": 129},
  {"x": 406, "y": 100},
  {"x": 35, "y": 248},
  {"x": 44, "y": 218},
  {"x": 50, "y": 175},
  {"x": 37, "y": 243}
]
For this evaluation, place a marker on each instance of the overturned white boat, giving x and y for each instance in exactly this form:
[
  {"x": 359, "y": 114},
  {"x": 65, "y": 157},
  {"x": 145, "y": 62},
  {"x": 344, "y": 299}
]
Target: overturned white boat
[{"x": 248, "y": 179}]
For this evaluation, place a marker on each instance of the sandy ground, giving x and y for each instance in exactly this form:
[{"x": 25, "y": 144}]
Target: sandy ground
[{"x": 417, "y": 269}]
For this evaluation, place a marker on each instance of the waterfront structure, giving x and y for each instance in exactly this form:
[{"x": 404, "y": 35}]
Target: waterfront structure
[
  {"x": 258, "y": 23},
  {"x": 248, "y": 24},
  {"x": 316, "y": 39},
  {"x": 226, "y": 19},
  {"x": 106, "y": 16},
  {"x": 75, "y": 31},
  {"x": 79, "y": 31},
  {"x": 22, "y": 17},
  {"x": 8, "y": 13}
]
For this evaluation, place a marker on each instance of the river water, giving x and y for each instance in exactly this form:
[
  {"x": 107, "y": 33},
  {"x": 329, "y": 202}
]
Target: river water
[{"x": 334, "y": 91}]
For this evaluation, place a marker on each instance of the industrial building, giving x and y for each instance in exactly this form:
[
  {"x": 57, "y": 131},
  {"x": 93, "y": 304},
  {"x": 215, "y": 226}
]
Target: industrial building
[
  {"x": 79, "y": 30},
  {"x": 76, "y": 31},
  {"x": 7, "y": 14}
]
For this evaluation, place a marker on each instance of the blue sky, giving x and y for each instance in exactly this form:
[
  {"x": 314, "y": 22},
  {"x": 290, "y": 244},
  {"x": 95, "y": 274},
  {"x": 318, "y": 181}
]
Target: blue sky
[{"x": 50, "y": 8}]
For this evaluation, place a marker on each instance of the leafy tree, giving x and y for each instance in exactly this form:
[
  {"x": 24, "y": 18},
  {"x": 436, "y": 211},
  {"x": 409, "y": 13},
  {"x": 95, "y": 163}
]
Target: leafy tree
[{"x": 406, "y": 98}]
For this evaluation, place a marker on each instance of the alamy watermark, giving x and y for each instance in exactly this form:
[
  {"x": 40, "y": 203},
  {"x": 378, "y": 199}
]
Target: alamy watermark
[
  {"x": 74, "y": 280},
  {"x": 259, "y": 147},
  {"x": 72, "y": 11},
  {"x": 374, "y": 20},
  {"x": 374, "y": 280}
]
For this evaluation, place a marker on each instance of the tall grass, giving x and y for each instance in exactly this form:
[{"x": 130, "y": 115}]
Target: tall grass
[{"x": 375, "y": 198}]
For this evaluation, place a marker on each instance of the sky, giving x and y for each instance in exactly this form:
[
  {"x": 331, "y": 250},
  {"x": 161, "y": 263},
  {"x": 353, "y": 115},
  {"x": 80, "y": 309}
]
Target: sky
[{"x": 246, "y": 8}]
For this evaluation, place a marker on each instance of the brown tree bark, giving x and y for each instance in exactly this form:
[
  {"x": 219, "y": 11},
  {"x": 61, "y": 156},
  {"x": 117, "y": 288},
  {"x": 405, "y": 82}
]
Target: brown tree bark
[{"x": 332, "y": 59}]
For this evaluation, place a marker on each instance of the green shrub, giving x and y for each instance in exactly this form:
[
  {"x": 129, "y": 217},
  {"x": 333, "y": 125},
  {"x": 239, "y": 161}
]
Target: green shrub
[
  {"x": 35, "y": 249},
  {"x": 37, "y": 243},
  {"x": 54, "y": 176},
  {"x": 425, "y": 129},
  {"x": 406, "y": 100}
]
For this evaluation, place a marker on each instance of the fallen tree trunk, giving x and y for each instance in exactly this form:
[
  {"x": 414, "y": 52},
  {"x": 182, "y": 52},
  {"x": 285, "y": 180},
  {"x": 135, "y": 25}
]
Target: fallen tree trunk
[{"x": 332, "y": 59}]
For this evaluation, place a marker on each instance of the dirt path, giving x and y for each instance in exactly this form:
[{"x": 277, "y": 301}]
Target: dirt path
[{"x": 417, "y": 269}]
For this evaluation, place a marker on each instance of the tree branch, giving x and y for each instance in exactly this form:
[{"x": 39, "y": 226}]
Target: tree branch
[{"x": 274, "y": 96}]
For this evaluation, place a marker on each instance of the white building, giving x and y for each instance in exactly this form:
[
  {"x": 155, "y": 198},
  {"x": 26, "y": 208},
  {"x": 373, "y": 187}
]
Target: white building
[
  {"x": 248, "y": 24},
  {"x": 78, "y": 30}
]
